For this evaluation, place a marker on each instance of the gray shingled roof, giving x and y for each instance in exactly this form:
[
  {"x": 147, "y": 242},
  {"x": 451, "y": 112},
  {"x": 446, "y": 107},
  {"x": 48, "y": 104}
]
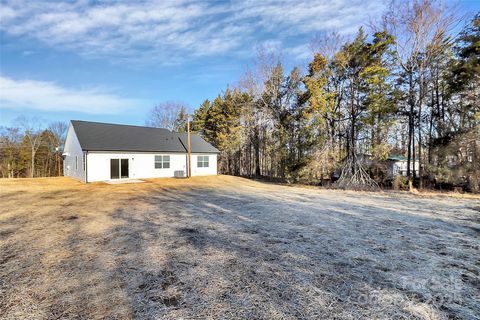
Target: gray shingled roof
[
  {"x": 197, "y": 143},
  {"x": 96, "y": 136}
]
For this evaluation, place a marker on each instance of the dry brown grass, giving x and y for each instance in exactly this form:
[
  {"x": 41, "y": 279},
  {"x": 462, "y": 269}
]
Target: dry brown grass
[{"x": 225, "y": 247}]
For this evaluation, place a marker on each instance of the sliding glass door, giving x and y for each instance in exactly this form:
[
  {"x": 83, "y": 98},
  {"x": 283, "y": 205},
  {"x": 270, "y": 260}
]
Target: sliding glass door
[
  {"x": 114, "y": 169},
  {"x": 124, "y": 168},
  {"x": 118, "y": 168}
]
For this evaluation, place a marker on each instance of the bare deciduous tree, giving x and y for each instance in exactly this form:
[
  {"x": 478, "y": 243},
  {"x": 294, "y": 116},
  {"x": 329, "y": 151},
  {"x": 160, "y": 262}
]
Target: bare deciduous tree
[
  {"x": 165, "y": 115},
  {"x": 33, "y": 134},
  {"x": 327, "y": 44},
  {"x": 10, "y": 140},
  {"x": 259, "y": 116},
  {"x": 420, "y": 28},
  {"x": 59, "y": 132}
]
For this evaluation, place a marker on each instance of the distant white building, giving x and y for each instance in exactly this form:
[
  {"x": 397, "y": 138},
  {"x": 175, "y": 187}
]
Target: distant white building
[
  {"x": 102, "y": 151},
  {"x": 397, "y": 165}
]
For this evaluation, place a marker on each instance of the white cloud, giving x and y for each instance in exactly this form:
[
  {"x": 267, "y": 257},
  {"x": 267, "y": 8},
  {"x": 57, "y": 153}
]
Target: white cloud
[
  {"x": 300, "y": 52},
  {"x": 171, "y": 31},
  {"x": 47, "y": 96}
]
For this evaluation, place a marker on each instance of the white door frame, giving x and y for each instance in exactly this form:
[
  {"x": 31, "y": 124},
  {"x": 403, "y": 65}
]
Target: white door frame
[{"x": 120, "y": 168}]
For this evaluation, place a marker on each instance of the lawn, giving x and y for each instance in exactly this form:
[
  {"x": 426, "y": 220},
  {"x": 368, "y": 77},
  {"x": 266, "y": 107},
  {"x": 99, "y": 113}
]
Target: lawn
[{"x": 232, "y": 248}]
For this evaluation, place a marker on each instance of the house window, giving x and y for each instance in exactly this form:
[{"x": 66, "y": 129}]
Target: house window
[
  {"x": 202, "y": 161},
  {"x": 76, "y": 163},
  {"x": 162, "y": 162}
]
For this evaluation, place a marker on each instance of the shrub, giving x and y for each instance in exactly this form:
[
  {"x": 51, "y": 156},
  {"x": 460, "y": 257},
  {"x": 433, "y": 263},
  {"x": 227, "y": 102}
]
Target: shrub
[{"x": 400, "y": 183}]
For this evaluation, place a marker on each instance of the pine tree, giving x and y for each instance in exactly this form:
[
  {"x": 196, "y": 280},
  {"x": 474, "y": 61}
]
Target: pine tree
[{"x": 199, "y": 117}]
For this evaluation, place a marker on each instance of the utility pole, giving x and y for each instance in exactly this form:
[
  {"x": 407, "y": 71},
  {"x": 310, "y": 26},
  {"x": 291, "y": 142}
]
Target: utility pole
[{"x": 189, "y": 174}]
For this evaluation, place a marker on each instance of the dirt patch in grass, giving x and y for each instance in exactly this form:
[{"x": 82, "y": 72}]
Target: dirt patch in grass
[{"x": 225, "y": 247}]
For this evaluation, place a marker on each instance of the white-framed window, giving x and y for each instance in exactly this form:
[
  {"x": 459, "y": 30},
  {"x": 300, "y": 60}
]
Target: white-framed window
[
  {"x": 202, "y": 162},
  {"x": 162, "y": 162},
  {"x": 76, "y": 163}
]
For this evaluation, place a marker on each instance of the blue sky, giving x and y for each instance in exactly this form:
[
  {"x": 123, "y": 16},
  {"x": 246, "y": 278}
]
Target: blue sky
[{"x": 112, "y": 61}]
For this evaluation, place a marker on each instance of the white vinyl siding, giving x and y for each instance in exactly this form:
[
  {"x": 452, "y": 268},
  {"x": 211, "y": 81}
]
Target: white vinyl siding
[
  {"x": 141, "y": 165},
  {"x": 162, "y": 162},
  {"x": 202, "y": 162},
  {"x": 73, "y": 153}
]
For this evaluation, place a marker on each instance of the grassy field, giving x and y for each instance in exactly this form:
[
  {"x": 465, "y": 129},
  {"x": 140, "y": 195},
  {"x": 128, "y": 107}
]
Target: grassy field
[{"x": 231, "y": 248}]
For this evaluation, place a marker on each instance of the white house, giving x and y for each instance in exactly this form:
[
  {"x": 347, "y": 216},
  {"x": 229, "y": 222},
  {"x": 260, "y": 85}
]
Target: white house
[
  {"x": 103, "y": 151},
  {"x": 397, "y": 165}
]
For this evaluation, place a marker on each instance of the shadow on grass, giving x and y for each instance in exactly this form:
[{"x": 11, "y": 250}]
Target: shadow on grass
[{"x": 209, "y": 253}]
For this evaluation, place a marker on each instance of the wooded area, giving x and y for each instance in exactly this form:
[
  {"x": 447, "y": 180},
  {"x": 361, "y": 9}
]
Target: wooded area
[
  {"x": 27, "y": 150},
  {"x": 409, "y": 86}
]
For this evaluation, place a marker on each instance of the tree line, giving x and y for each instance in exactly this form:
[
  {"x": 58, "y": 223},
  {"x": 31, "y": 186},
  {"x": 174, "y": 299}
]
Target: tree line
[
  {"x": 409, "y": 87},
  {"x": 28, "y": 150}
]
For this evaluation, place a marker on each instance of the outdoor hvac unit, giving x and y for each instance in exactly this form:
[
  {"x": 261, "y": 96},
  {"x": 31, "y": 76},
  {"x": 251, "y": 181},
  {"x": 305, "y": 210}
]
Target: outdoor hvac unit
[{"x": 179, "y": 174}]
